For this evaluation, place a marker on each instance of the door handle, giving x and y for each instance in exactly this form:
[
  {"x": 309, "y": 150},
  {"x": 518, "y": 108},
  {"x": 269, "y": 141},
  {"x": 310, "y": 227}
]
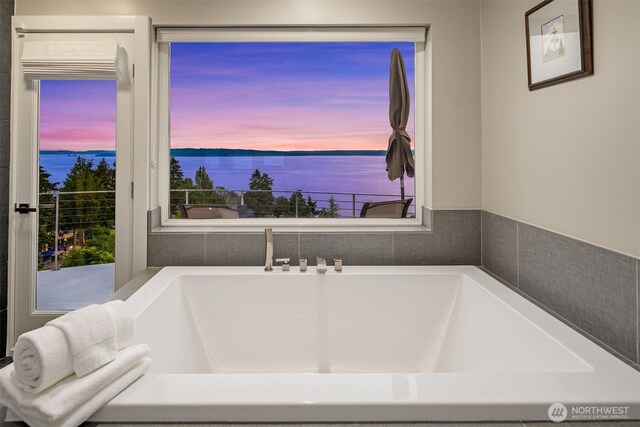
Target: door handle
[{"x": 23, "y": 208}]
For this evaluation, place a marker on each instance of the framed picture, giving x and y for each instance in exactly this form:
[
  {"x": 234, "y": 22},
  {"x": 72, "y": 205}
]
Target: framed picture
[{"x": 559, "y": 46}]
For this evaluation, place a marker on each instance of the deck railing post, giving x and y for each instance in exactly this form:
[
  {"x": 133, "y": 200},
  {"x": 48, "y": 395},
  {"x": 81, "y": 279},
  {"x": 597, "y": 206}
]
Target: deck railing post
[
  {"x": 56, "y": 232},
  {"x": 186, "y": 197},
  {"x": 353, "y": 204}
]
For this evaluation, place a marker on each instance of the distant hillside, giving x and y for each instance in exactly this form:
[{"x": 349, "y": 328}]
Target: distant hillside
[
  {"x": 95, "y": 153},
  {"x": 226, "y": 152}
]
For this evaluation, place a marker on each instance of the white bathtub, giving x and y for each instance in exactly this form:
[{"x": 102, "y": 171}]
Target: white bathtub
[{"x": 367, "y": 344}]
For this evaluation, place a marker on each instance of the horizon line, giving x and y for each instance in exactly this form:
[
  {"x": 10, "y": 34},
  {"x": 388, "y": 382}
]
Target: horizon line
[{"x": 223, "y": 149}]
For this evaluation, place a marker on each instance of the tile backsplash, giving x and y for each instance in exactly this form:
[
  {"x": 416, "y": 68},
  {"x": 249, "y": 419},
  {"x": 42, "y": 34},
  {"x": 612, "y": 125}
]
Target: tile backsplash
[
  {"x": 594, "y": 290},
  {"x": 454, "y": 239}
]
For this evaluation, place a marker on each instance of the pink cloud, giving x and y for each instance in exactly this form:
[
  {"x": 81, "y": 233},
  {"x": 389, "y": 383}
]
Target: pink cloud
[
  {"x": 283, "y": 114},
  {"x": 204, "y": 123},
  {"x": 77, "y": 115},
  {"x": 84, "y": 138}
]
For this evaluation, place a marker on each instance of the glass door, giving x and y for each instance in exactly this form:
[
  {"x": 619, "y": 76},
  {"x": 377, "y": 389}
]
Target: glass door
[
  {"x": 76, "y": 193},
  {"x": 72, "y": 175}
]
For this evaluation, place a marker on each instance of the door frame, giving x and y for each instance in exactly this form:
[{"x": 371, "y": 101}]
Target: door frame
[{"x": 140, "y": 27}]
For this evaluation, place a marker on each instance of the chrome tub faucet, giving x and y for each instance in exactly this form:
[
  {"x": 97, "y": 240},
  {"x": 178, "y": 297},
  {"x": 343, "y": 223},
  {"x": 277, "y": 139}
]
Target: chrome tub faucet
[
  {"x": 322, "y": 265},
  {"x": 268, "y": 262}
]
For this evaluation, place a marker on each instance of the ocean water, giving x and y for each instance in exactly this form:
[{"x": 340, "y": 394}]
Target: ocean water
[{"x": 335, "y": 174}]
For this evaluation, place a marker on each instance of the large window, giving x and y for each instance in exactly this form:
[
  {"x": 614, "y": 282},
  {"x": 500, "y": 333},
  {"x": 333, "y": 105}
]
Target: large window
[{"x": 284, "y": 130}]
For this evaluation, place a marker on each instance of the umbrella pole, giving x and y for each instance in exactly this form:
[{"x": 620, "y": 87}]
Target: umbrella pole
[{"x": 402, "y": 184}]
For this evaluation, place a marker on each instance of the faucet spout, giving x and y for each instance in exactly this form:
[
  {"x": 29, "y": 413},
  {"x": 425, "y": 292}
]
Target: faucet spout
[
  {"x": 268, "y": 262},
  {"x": 322, "y": 265}
]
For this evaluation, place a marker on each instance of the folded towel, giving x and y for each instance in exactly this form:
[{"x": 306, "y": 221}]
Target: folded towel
[
  {"x": 123, "y": 321},
  {"x": 46, "y": 355},
  {"x": 41, "y": 358},
  {"x": 74, "y": 399},
  {"x": 91, "y": 335},
  {"x": 91, "y": 405}
]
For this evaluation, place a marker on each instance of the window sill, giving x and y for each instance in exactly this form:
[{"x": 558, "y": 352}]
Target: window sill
[{"x": 368, "y": 229}]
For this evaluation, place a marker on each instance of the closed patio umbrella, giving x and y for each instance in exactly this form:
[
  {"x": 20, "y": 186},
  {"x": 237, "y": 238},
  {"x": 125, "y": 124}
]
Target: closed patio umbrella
[{"x": 399, "y": 156}]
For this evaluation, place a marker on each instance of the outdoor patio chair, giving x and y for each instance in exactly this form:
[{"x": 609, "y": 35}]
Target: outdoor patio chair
[
  {"x": 388, "y": 209},
  {"x": 208, "y": 211}
]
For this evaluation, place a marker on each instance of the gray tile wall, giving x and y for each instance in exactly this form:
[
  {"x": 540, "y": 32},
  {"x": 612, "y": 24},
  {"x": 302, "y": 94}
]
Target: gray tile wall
[
  {"x": 594, "y": 290},
  {"x": 6, "y": 11},
  {"x": 454, "y": 239},
  {"x": 499, "y": 246}
]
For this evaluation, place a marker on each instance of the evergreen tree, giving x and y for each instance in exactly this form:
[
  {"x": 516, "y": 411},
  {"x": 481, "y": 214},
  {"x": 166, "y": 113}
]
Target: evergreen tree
[
  {"x": 176, "y": 176},
  {"x": 81, "y": 177},
  {"x": 80, "y": 211},
  {"x": 106, "y": 175},
  {"x": 177, "y": 181},
  {"x": 297, "y": 204},
  {"x": 260, "y": 202},
  {"x": 312, "y": 207},
  {"x": 305, "y": 208},
  {"x": 281, "y": 207},
  {"x": 333, "y": 211},
  {"x": 46, "y": 186},
  {"x": 46, "y": 216},
  {"x": 202, "y": 181}
]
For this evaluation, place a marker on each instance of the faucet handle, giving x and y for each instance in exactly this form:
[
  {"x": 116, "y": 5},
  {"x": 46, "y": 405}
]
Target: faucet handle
[
  {"x": 303, "y": 265},
  {"x": 285, "y": 263},
  {"x": 337, "y": 264}
]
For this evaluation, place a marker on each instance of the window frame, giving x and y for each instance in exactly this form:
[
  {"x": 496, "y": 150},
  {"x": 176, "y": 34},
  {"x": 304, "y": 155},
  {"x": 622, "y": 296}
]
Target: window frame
[
  {"x": 164, "y": 38},
  {"x": 22, "y": 115}
]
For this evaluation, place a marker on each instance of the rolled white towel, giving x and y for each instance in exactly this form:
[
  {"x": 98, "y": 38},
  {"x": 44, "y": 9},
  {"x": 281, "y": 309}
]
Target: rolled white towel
[
  {"x": 123, "y": 321},
  {"x": 91, "y": 335},
  {"x": 41, "y": 358},
  {"x": 73, "y": 400},
  {"x": 44, "y": 356}
]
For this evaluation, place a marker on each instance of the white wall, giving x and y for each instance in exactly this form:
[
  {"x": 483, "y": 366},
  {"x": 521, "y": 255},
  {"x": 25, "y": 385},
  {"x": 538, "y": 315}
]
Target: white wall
[
  {"x": 566, "y": 157},
  {"x": 455, "y": 180}
]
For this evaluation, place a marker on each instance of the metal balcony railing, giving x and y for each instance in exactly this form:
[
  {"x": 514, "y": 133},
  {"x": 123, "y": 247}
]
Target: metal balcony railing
[
  {"x": 349, "y": 203},
  {"x": 76, "y": 219},
  {"x": 77, "y": 216}
]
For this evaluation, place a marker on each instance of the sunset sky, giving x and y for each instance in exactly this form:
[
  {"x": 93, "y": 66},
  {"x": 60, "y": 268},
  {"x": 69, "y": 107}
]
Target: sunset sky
[
  {"x": 78, "y": 115},
  {"x": 281, "y": 96}
]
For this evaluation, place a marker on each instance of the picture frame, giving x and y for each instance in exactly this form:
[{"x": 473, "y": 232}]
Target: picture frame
[{"x": 559, "y": 42}]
